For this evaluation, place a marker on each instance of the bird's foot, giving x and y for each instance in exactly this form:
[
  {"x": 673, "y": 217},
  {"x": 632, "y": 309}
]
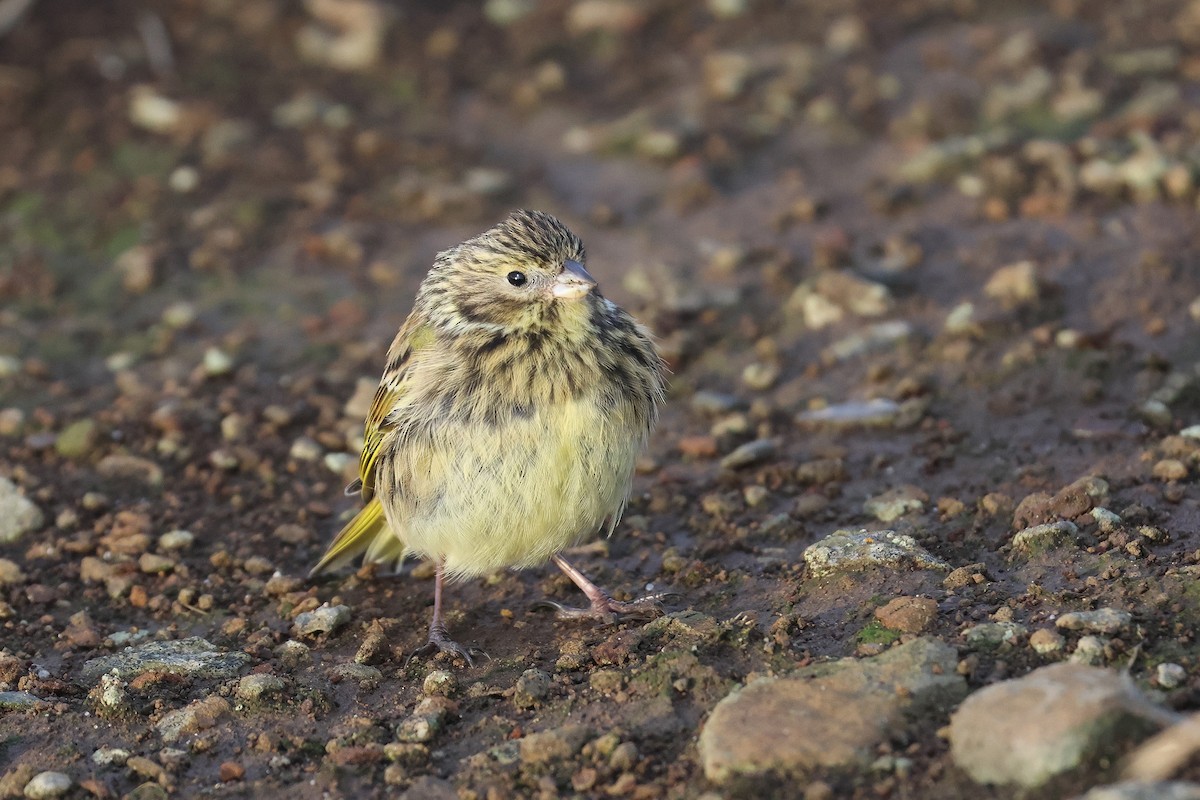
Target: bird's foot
[
  {"x": 440, "y": 642},
  {"x": 606, "y": 610}
]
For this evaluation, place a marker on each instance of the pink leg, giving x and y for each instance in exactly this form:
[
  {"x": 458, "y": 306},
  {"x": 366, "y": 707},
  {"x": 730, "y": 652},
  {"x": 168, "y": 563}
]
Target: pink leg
[
  {"x": 439, "y": 638},
  {"x": 602, "y": 607}
]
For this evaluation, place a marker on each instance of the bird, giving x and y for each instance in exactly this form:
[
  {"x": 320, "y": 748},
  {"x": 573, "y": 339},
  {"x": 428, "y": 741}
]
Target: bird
[{"x": 513, "y": 406}]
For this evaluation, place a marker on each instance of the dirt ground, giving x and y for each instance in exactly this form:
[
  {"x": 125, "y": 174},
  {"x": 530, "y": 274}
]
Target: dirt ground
[{"x": 213, "y": 217}]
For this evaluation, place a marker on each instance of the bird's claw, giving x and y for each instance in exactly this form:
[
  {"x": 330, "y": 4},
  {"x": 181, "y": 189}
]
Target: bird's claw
[
  {"x": 440, "y": 642},
  {"x": 606, "y": 610}
]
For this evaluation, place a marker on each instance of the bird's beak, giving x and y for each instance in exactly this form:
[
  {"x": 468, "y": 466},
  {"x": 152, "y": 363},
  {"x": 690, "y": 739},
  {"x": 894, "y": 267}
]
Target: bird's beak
[{"x": 573, "y": 282}]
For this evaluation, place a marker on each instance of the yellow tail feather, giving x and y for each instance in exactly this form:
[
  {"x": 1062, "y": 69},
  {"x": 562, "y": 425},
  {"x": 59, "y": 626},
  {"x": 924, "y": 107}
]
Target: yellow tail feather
[{"x": 367, "y": 533}]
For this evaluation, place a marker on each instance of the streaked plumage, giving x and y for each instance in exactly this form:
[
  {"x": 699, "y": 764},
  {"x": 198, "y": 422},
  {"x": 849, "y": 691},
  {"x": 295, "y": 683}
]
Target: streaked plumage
[{"x": 514, "y": 403}]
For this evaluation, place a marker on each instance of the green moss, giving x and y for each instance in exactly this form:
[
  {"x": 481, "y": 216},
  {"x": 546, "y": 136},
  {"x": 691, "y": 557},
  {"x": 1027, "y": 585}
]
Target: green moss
[{"x": 875, "y": 633}]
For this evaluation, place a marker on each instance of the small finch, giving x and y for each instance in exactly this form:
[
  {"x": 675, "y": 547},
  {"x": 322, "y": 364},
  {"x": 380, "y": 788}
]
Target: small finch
[{"x": 513, "y": 406}]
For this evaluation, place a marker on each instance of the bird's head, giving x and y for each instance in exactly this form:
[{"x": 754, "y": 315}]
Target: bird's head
[{"x": 527, "y": 273}]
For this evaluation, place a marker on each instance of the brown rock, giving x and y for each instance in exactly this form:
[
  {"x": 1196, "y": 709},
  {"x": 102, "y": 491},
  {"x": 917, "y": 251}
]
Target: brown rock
[
  {"x": 907, "y": 614},
  {"x": 698, "y": 446},
  {"x": 231, "y": 771},
  {"x": 1035, "y": 509}
]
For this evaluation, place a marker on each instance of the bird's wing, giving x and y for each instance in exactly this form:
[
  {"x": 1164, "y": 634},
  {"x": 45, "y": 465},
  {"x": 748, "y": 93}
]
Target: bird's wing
[
  {"x": 397, "y": 379},
  {"x": 368, "y": 531}
]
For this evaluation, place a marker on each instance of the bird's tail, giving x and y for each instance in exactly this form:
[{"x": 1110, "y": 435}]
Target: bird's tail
[{"x": 368, "y": 533}]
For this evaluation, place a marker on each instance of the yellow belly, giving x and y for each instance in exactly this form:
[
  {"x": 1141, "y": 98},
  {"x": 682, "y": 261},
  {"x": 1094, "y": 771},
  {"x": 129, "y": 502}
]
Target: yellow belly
[{"x": 511, "y": 495}]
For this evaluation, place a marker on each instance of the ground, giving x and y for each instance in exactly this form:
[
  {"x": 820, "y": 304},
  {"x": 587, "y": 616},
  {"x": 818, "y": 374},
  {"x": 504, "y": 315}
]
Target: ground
[{"x": 213, "y": 217}]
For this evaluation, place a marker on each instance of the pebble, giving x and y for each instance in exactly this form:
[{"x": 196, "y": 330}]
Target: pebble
[
  {"x": 124, "y": 467},
  {"x": 253, "y": 688},
  {"x": 711, "y": 403},
  {"x": 827, "y": 716},
  {"x": 881, "y": 336},
  {"x": 1089, "y": 650},
  {"x": 152, "y": 111},
  {"x": 48, "y": 784},
  {"x": 854, "y": 551},
  {"x": 553, "y": 745},
  {"x": 153, "y": 564},
  {"x": 877, "y": 413},
  {"x": 1054, "y": 720},
  {"x": 197, "y": 716},
  {"x": 1046, "y": 640},
  {"x": 1144, "y": 790},
  {"x": 750, "y": 453},
  {"x": 77, "y": 439},
  {"x": 907, "y": 614},
  {"x": 305, "y": 449},
  {"x": 10, "y": 573},
  {"x": 895, "y": 503},
  {"x": 217, "y": 362},
  {"x": 18, "y": 515},
  {"x": 1170, "y": 676},
  {"x": 993, "y": 634},
  {"x": 821, "y": 471},
  {"x": 1100, "y": 620},
  {"x": 1107, "y": 520},
  {"x": 440, "y": 682},
  {"x": 325, "y": 619},
  {"x": 1015, "y": 284},
  {"x": 1048, "y": 536},
  {"x": 1170, "y": 469},
  {"x": 108, "y": 756},
  {"x": 176, "y": 540},
  {"x": 18, "y": 701},
  {"x": 531, "y": 689},
  {"x": 194, "y": 657}
]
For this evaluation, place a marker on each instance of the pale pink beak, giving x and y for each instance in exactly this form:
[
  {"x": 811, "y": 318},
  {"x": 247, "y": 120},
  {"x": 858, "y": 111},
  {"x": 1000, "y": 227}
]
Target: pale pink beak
[{"x": 573, "y": 282}]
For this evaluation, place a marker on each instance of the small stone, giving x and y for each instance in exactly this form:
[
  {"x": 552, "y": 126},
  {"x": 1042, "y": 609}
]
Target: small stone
[
  {"x": 77, "y": 439},
  {"x": 1014, "y": 285},
  {"x": 230, "y": 771},
  {"x": 1089, "y": 650},
  {"x": 366, "y": 676},
  {"x": 714, "y": 404},
  {"x": 123, "y": 467},
  {"x": 750, "y": 453},
  {"x": 554, "y": 745},
  {"x": 19, "y": 701},
  {"x": 907, "y": 614},
  {"x": 1046, "y": 640},
  {"x": 821, "y": 471},
  {"x": 325, "y": 619},
  {"x": 48, "y": 784},
  {"x": 154, "y": 564},
  {"x": 253, "y": 688},
  {"x": 827, "y": 716},
  {"x": 10, "y": 573},
  {"x": 969, "y": 575},
  {"x": 18, "y": 515},
  {"x": 193, "y": 656},
  {"x": 759, "y": 376},
  {"x": 1170, "y": 469},
  {"x": 1042, "y": 538},
  {"x": 1100, "y": 620},
  {"x": 1170, "y": 676},
  {"x": 217, "y": 362},
  {"x": 305, "y": 449},
  {"x": 1054, "y": 720},
  {"x": 152, "y": 111},
  {"x": 1107, "y": 520},
  {"x": 197, "y": 716},
  {"x": 1144, "y": 790},
  {"x": 993, "y": 634},
  {"x": 895, "y": 503},
  {"x": 176, "y": 540},
  {"x": 110, "y": 756},
  {"x": 532, "y": 688},
  {"x": 855, "y": 551},
  {"x": 440, "y": 682},
  {"x": 877, "y": 413}
]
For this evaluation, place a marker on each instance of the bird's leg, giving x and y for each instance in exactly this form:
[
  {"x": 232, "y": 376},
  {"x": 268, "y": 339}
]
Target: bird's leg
[
  {"x": 602, "y": 606},
  {"x": 439, "y": 638}
]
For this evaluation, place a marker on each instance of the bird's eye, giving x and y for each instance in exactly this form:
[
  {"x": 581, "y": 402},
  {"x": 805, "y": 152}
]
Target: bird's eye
[{"x": 517, "y": 278}]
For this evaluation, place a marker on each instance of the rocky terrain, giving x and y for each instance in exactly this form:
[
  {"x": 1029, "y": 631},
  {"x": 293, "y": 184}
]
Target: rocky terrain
[{"x": 924, "y": 495}]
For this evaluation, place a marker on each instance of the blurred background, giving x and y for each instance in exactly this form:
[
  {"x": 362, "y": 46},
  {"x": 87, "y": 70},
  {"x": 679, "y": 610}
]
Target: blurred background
[{"x": 912, "y": 264}]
